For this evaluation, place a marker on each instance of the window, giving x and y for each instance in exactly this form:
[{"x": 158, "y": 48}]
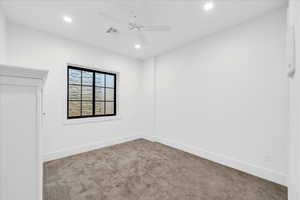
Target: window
[{"x": 91, "y": 93}]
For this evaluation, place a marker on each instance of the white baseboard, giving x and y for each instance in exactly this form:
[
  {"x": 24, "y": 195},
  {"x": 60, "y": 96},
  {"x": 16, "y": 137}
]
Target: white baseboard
[
  {"x": 88, "y": 147},
  {"x": 249, "y": 168},
  {"x": 261, "y": 172}
]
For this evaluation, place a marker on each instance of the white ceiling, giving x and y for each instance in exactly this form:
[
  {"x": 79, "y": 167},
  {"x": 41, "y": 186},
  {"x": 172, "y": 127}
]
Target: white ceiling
[{"x": 186, "y": 17}]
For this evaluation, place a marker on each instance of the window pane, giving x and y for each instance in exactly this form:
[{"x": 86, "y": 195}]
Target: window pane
[
  {"x": 99, "y": 109},
  {"x": 74, "y": 108},
  {"x": 87, "y": 78},
  {"x": 74, "y": 76},
  {"x": 110, "y": 94},
  {"x": 99, "y": 79},
  {"x": 109, "y": 109},
  {"x": 99, "y": 94},
  {"x": 110, "y": 81},
  {"x": 74, "y": 92},
  {"x": 87, "y": 93},
  {"x": 87, "y": 108}
]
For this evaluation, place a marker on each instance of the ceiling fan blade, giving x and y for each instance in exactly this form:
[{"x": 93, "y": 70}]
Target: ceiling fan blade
[{"x": 156, "y": 28}]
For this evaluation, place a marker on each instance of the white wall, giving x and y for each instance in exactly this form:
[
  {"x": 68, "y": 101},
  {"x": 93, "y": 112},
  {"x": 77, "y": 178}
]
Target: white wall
[
  {"x": 148, "y": 95},
  {"x": 2, "y": 37},
  {"x": 294, "y": 162},
  {"x": 27, "y": 47},
  {"x": 225, "y": 97}
]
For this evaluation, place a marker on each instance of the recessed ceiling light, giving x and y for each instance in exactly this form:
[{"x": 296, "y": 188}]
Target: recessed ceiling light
[
  {"x": 209, "y": 5},
  {"x": 67, "y": 19},
  {"x": 137, "y": 46}
]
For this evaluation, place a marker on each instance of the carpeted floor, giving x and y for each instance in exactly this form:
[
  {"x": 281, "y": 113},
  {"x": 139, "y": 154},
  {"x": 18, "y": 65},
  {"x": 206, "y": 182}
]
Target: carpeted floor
[{"x": 143, "y": 170}]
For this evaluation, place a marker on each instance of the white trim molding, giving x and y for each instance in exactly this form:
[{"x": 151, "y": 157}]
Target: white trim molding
[
  {"x": 22, "y": 72},
  {"x": 88, "y": 147},
  {"x": 249, "y": 168}
]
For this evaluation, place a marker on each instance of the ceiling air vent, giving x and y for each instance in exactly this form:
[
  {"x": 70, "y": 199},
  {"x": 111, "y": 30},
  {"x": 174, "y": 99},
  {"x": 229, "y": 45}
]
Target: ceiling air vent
[{"x": 112, "y": 30}]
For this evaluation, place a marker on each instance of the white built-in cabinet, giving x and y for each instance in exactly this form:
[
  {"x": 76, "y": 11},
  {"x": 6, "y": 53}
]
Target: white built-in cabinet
[{"x": 20, "y": 133}]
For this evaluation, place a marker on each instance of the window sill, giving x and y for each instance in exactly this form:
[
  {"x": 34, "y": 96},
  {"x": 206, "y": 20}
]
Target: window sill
[{"x": 90, "y": 120}]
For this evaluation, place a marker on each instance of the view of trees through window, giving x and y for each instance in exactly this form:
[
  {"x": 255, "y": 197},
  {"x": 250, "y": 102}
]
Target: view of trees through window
[{"x": 91, "y": 93}]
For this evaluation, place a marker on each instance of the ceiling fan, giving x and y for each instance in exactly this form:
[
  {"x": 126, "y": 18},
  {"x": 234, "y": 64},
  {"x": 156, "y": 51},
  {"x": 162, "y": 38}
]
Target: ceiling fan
[
  {"x": 133, "y": 25},
  {"x": 139, "y": 27}
]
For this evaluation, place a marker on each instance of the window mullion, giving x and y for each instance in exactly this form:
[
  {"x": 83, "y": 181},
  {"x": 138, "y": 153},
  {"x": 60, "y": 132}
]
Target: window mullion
[
  {"x": 104, "y": 94},
  {"x": 81, "y": 94},
  {"x": 115, "y": 94},
  {"x": 94, "y": 93},
  {"x": 68, "y": 92}
]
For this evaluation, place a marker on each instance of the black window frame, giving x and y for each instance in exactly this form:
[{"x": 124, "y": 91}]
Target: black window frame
[{"x": 94, "y": 93}]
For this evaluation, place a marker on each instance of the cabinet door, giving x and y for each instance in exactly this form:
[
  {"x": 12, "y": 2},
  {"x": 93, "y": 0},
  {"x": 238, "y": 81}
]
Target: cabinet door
[{"x": 19, "y": 158}]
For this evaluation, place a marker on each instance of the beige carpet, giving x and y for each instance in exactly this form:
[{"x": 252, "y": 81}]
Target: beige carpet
[{"x": 143, "y": 170}]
